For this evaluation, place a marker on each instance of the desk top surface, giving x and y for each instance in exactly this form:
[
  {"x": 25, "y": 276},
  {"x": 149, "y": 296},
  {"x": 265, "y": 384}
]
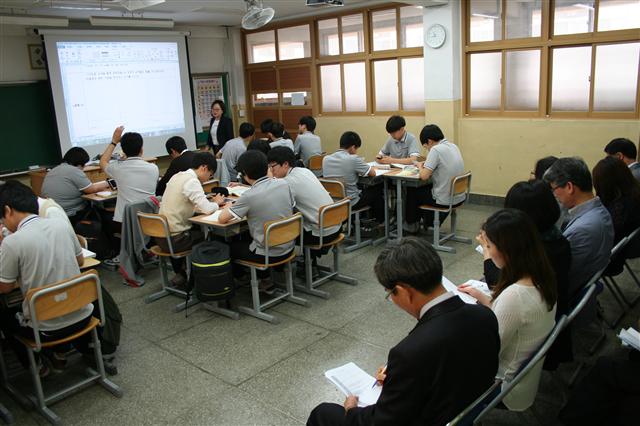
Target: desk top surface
[{"x": 98, "y": 198}]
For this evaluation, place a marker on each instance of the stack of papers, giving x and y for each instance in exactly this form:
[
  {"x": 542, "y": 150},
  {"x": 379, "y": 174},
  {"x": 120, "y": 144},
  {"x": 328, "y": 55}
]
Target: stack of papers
[
  {"x": 104, "y": 194},
  {"x": 352, "y": 380},
  {"x": 87, "y": 253},
  {"x": 409, "y": 171},
  {"x": 379, "y": 165},
  {"x": 630, "y": 337},
  {"x": 398, "y": 165},
  {"x": 449, "y": 286},
  {"x": 213, "y": 217},
  {"x": 382, "y": 171},
  {"x": 237, "y": 190}
]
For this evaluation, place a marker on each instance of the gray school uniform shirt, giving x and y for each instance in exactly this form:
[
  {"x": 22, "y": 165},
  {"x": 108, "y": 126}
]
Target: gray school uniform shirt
[
  {"x": 445, "y": 161},
  {"x": 347, "y": 168},
  {"x": 268, "y": 199},
  {"x": 42, "y": 251},
  {"x": 65, "y": 183},
  {"x": 136, "y": 179},
  {"x": 404, "y": 148},
  {"x": 309, "y": 195},
  {"x": 282, "y": 142},
  {"x": 231, "y": 151},
  {"x": 307, "y": 145}
]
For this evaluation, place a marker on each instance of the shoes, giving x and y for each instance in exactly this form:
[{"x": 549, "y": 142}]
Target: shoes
[
  {"x": 114, "y": 262},
  {"x": 179, "y": 281},
  {"x": 411, "y": 228},
  {"x": 302, "y": 273},
  {"x": 43, "y": 370},
  {"x": 58, "y": 362},
  {"x": 109, "y": 365},
  {"x": 267, "y": 287}
]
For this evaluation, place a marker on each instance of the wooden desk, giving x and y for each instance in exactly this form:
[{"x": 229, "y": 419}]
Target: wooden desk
[
  {"x": 223, "y": 229},
  {"x": 89, "y": 263},
  {"x": 95, "y": 198},
  {"x": 400, "y": 181}
]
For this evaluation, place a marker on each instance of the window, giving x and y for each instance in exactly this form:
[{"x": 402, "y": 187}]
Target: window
[
  {"x": 411, "y": 26},
  {"x": 386, "y": 85},
  {"x": 384, "y": 29},
  {"x": 355, "y": 87},
  {"x": 352, "y": 34},
  {"x": 294, "y": 42},
  {"x": 296, "y": 98},
  {"x": 328, "y": 37},
  {"x": 587, "y": 66},
  {"x": 265, "y": 99},
  {"x": 331, "y": 83},
  {"x": 412, "y": 84},
  {"x": 261, "y": 47}
]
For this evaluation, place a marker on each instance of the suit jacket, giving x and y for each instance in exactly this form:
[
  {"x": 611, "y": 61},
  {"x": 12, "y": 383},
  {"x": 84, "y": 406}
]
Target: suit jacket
[
  {"x": 223, "y": 134},
  {"x": 444, "y": 364},
  {"x": 178, "y": 164},
  {"x": 635, "y": 171}
]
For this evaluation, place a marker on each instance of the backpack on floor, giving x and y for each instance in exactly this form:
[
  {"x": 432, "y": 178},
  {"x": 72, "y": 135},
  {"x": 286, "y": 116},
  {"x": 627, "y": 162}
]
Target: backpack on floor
[
  {"x": 92, "y": 228},
  {"x": 211, "y": 276}
]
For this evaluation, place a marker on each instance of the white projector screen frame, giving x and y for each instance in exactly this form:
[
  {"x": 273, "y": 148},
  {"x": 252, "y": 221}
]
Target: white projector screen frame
[{"x": 154, "y": 143}]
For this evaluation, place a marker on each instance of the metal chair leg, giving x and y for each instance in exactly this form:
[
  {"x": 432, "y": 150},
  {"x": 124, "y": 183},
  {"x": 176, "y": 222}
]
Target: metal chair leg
[
  {"x": 39, "y": 401},
  {"x": 308, "y": 286},
  {"x": 165, "y": 280},
  {"x": 623, "y": 307},
  {"x": 436, "y": 235},
  {"x": 255, "y": 310},
  {"x": 103, "y": 381},
  {"x": 631, "y": 303},
  {"x": 291, "y": 297}
]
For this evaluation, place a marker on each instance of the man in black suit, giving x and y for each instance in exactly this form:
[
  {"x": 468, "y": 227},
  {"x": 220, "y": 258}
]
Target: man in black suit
[
  {"x": 181, "y": 161},
  {"x": 446, "y": 361}
]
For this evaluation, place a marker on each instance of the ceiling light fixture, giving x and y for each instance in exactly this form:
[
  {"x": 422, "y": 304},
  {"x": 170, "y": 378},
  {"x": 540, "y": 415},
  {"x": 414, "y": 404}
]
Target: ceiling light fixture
[
  {"x": 34, "y": 21},
  {"x": 102, "y": 21}
]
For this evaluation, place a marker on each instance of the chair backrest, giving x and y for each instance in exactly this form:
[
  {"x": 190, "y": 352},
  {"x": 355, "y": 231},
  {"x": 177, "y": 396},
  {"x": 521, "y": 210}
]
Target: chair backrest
[
  {"x": 536, "y": 358},
  {"x": 62, "y": 298},
  {"x": 334, "y": 187},
  {"x": 156, "y": 226},
  {"x": 632, "y": 250},
  {"x": 210, "y": 184},
  {"x": 583, "y": 298},
  {"x": 37, "y": 179},
  {"x": 461, "y": 185},
  {"x": 469, "y": 414},
  {"x": 334, "y": 214},
  {"x": 282, "y": 231},
  {"x": 315, "y": 161}
]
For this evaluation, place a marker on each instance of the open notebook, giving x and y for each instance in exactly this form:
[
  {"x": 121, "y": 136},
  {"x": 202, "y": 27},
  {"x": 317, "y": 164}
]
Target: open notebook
[
  {"x": 352, "y": 380},
  {"x": 449, "y": 286}
]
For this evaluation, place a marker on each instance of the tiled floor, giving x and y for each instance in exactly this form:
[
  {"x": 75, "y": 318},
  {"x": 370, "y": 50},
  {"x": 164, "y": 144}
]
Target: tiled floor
[{"x": 208, "y": 369}]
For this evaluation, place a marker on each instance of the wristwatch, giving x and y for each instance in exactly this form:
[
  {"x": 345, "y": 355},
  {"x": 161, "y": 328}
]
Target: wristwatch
[{"x": 113, "y": 143}]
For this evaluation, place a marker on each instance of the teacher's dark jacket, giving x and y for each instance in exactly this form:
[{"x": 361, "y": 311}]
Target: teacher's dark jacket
[
  {"x": 447, "y": 361},
  {"x": 178, "y": 164},
  {"x": 224, "y": 133}
]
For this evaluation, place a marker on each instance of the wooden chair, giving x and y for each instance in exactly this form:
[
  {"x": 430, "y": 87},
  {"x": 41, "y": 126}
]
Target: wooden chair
[
  {"x": 156, "y": 226},
  {"x": 459, "y": 185},
  {"x": 209, "y": 185},
  {"x": 329, "y": 216},
  {"x": 276, "y": 232},
  {"x": 335, "y": 188},
  {"x": 53, "y": 301},
  {"x": 315, "y": 163},
  {"x": 37, "y": 179}
]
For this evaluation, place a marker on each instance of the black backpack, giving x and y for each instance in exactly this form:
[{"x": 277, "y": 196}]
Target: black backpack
[
  {"x": 92, "y": 228},
  {"x": 211, "y": 273}
]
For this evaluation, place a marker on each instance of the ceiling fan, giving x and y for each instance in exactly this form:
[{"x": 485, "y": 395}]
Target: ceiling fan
[{"x": 257, "y": 15}]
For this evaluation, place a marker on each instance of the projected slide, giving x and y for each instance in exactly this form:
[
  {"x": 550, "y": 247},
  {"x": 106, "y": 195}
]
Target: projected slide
[{"x": 108, "y": 83}]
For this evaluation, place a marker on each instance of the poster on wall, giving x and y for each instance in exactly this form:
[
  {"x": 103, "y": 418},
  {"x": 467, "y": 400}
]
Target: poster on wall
[{"x": 206, "y": 89}]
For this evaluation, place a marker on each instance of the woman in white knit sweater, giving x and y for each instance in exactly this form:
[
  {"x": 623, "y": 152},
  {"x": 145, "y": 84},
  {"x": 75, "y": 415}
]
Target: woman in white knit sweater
[{"x": 523, "y": 300}]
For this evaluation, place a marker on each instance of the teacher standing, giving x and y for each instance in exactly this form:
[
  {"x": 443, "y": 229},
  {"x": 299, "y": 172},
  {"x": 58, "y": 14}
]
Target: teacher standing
[{"x": 220, "y": 127}]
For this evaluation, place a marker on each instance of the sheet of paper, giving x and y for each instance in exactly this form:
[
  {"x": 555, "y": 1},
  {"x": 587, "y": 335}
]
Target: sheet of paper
[
  {"x": 382, "y": 172},
  {"x": 630, "y": 337},
  {"x": 482, "y": 286},
  {"x": 409, "y": 171},
  {"x": 479, "y": 249},
  {"x": 214, "y": 216},
  {"x": 352, "y": 380},
  {"x": 379, "y": 165},
  {"x": 104, "y": 194},
  {"x": 87, "y": 253},
  {"x": 398, "y": 165},
  {"x": 237, "y": 190},
  {"x": 449, "y": 286},
  {"x": 297, "y": 98}
]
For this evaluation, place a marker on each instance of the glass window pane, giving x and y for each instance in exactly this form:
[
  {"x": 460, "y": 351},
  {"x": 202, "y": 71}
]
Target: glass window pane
[
  {"x": 573, "y": 17},
  {"x": 485, "y": 20},
  {"x": 524, "y": 18},
  {"x": 411, "y": 26},
  {"x": 352, "y": 34},
  {"x": 616, "y": 78},
  {"x": 386, "y": 82},
  {"x": 355, "y": 89},
  {"x": 384, "y": 29},
  {"x": 296, "y": 98},
  {"x": 412, "y": 84},
  {"x": 570, "y": 80},
  {"x": 522, "y": 80},
  {"x": 328, "y": 37},
  {"x": 618, "y": 14},
  {"x": 294, "y": 42},
  {"x": 261, "y": 47},
  {"x": 484, "y": 88},
  {"x": 265, "y": 99},
  {"x": 331, "y": 90}
]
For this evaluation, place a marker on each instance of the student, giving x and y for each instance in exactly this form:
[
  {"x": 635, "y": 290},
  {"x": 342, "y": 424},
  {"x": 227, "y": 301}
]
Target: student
[
  {"x": 541, "y": 166},
  {"x": 308, "y": 193},
  {"x": 234, "y": 148},
  {"x": 401, "y": 147},
  {"x": 37, "y": 253},
  {"x": 259, "y": 145},
  {"x": 444, "y": 162},
  {"x": 307, "y": 143},
  {"x": 589, "y": 229},
  {"x": 182, "y": 198},
  {"x": 276, "y": 135},
  {"x": 136, "y": 178},
  {"x": 268, "y": 199},
  {"x": 347, "y": 167},
  {"x": 181, "y": 159},
  {"x": 67, "y": 183},
  {"x": 447, "y": 360},
  {"x": 523, "y": 300},
  {"x": 626, "y": 151},
  {"x": 265, "y": 129},
  {"x": 220, "y": 127}
]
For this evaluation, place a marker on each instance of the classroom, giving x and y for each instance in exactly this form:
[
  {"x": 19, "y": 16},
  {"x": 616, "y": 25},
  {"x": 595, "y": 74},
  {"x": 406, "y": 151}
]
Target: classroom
[{"x": 321, "y": 212}]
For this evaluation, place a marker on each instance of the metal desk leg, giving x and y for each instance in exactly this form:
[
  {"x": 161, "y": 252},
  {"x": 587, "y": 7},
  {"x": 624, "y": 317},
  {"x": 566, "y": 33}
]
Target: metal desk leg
[
  {"x": 386, "y": 209},
  {"x": 399, "y": 217}
]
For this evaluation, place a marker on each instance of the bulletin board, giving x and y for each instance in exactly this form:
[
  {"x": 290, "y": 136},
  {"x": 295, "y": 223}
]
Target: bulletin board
[{"x": 206, "y": 89}]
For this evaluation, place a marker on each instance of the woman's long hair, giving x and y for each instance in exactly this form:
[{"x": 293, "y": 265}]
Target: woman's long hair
[
  {"x": 519, "y": 242},
  {"x": 612, "y": 179}
]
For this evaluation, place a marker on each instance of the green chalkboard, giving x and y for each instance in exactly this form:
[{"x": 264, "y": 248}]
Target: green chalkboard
[{"x": 28, "y": 129}]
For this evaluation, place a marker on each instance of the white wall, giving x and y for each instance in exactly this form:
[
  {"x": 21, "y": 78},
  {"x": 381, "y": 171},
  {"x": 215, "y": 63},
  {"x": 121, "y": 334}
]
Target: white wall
[{"x": 14, "y": 55}]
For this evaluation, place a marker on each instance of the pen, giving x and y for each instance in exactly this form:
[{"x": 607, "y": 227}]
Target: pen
[{"x": 384, "y": 370}]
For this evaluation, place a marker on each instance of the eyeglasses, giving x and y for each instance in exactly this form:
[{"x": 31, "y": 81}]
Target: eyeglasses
[
  {"x": 273, "y": 165},
  {"x": 553, "y": 188},
  {"x": 389, "y": 293}
]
